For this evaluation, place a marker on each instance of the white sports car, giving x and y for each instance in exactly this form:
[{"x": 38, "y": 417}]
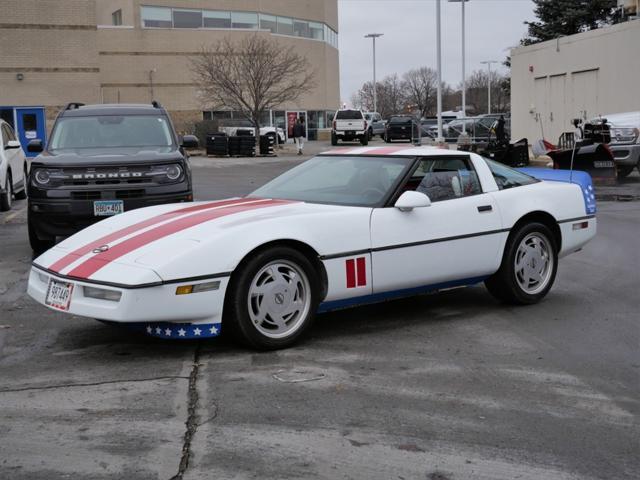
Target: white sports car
[{"x": 350, "y": 226}]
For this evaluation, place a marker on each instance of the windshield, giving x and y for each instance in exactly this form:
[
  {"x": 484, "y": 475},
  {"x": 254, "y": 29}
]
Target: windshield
[
  {"x": 349, "y": 181},
  {"x": 111, "y": 131}
]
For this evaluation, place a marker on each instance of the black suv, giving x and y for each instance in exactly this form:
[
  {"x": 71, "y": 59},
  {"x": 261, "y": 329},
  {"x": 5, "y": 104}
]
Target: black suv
[{"x": 102, "y": 160}]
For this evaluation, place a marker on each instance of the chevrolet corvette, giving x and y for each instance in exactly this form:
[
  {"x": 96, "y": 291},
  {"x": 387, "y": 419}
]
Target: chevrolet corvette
[{"x": 347, "y": 227}]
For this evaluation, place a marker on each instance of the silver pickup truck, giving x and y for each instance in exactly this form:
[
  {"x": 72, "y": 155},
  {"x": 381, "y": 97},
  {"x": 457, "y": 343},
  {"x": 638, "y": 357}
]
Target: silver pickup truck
[
  {"x": 623, "y": 132},
  {"x": 349, "y": 125}
]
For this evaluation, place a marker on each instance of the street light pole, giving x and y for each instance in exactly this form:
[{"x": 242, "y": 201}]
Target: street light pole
[
  {"x": 488, "y": 64},
  {"x": 464, "y": 61},
  {"x": 439, "y": 62},
  {"x": 375, "y": 93}
]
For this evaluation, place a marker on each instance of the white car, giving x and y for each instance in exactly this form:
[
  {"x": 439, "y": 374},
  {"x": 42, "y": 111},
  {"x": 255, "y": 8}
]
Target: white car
[
  {"x": 348, "y": 227},
  {"x": 14, "y": 168}
]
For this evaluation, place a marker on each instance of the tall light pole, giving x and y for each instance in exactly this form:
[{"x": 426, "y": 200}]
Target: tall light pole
[
  {"x": 375, "y": 93},
  {"x": 488, "y": 64},
  {"x": 439, "y": 63},
  {"x": 464, "y": 61}
]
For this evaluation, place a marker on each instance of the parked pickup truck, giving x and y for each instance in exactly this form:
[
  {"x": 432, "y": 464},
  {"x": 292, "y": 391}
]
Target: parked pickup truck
[
  {"x": 375, "y": 123},
  {"x": 349, "y": 125},
  {"x": 622, "y": 132}
]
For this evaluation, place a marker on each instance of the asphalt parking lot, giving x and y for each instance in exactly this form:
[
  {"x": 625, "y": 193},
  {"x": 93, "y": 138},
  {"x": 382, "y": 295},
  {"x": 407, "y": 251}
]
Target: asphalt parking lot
[{"x": 439, "y": 387}]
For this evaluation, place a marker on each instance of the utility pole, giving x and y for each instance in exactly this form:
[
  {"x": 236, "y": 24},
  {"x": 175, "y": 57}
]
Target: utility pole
[
  {"x": 464, "y": 62},
  {"x": 439, "y": 62},
  {"x": 373, "y": 36}
]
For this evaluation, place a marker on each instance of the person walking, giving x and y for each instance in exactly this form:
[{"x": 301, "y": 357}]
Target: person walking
[{"x": 299, "y": 134}]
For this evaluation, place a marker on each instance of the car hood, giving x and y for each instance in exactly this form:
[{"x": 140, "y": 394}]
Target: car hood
[
  {"x": 108, "y": 156},
  {"x": 627, "y": 119},
  {"x": 202, "y": 238}
]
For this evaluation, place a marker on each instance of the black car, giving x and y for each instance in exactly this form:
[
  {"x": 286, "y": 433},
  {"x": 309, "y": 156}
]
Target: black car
[
  {"x": 402, "y": 127},
  {"x": 102, "y": 160}
]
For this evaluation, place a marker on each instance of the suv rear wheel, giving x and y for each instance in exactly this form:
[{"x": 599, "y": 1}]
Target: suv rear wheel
[{"x": 22, "y": 194}]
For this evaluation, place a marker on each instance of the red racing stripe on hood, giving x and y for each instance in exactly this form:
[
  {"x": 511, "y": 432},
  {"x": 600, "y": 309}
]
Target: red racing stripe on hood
[
  {"x": 100, "y": 260},
  {"x": 118, "y": 234},
  {"x": 385, "y": 150}
]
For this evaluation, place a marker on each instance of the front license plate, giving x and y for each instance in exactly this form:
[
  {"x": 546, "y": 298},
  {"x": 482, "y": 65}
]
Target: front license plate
[
  {"x": 106, "y": 208},
  {"x": 59, "y": 294},
  {"x": 603, "y": 164}
]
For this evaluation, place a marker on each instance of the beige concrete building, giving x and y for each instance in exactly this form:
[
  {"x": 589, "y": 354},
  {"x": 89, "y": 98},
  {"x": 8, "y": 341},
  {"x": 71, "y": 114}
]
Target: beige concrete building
[
  {"x": 108, "y": 51},
  {"x": 578, "y": 76}
]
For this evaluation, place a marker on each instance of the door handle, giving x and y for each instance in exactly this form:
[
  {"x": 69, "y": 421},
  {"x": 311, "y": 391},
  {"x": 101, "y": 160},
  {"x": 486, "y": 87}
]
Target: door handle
[{"x": 485, "y": 208}]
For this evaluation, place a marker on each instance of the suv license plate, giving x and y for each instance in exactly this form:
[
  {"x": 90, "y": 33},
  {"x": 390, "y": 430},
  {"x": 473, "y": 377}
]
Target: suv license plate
[
  {"x": 106, "y": 208},
  {"x": 59, "y": 294}
]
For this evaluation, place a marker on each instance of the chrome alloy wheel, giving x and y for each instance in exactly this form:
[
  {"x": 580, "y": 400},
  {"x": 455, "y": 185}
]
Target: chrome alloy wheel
[
  {"x": 279, "y": 299},
  {"x": 534, "y": 263}
]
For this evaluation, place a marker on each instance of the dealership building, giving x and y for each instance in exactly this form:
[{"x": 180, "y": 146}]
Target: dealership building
[
  {"x": 578, "y": 76},
  {"x": 53, "y": 52}
]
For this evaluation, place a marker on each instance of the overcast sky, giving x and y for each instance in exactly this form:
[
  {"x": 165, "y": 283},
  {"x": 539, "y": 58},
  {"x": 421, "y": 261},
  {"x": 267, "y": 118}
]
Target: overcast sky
[{"x": 409, "y": 39}]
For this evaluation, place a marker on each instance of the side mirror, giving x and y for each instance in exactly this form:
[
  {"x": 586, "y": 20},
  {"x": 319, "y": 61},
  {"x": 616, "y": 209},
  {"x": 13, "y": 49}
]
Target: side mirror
[
  {"x": 190, "y": 141},
  {"x": 35, "y": 146},
  {"x": 410, "y": 200},
  {"x": 12, "y": 144}
]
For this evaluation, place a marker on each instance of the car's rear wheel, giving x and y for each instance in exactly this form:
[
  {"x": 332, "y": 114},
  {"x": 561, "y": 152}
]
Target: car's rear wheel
[
  {"x": 334, "y": 139},
  {"x": 22, "y": 194},
  {"x": 273, "y": 300},
  {"x": 364, "y": 139},
  {"x": 6, "y": 198},
  {"x": 528, "y": 268},
  {"x": 387, "y": 139}
]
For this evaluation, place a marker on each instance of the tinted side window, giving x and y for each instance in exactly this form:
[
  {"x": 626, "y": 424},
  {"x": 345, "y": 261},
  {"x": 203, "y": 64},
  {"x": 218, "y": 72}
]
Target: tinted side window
[
  {"x": 349, "y": 115},
  {"x": 508, "y": 177},
  {"x": 5, "y": 135},
  {"x": 445, "y": 179}
]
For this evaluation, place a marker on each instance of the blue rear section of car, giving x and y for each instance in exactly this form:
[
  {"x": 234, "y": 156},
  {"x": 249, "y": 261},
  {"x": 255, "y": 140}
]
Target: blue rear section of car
[{"x": 583, "y": 179}]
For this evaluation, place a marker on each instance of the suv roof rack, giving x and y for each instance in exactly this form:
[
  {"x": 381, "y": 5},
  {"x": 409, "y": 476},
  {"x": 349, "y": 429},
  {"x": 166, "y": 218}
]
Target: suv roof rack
[
  {"x": 156, "y": 104},
  {"x": 73, "y": 106}
]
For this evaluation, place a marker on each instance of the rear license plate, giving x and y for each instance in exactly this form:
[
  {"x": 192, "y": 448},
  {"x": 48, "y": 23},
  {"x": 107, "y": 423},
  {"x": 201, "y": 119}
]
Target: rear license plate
[
  {"x": 603, "y": 164},
  {"x": 350, "y": 132},
  {"x": 106, "y": 208},
  {"x": 59, "y": 294}
]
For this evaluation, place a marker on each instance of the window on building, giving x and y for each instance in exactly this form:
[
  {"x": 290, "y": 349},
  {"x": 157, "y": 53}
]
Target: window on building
[
  {"x": 116, "y": 17},
  {"x": 187, "y": 18},
  {"x": 244, "y": 20},
  {"x": 316, "y": 30},
  {"x": 301, "y": 28},
  {"x": 285, "y": 26},
  {"x": 269, "y": 22},
  {"x": 213, "y": 19},
  {"x": 156, "y": 17}
]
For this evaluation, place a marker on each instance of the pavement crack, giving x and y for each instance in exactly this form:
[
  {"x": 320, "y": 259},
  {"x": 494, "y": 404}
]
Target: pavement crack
[
  {"x": 94, "y": 384},
  {"x": 192, "y": 418}
]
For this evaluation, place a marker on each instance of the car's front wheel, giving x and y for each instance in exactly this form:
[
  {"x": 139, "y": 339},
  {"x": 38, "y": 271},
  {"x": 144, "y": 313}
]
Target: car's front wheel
[
  {"x": 528, "y": 268},
  {"x": 272, "y": 301},
  {"x": 22, "y": 194},
  {"x": 624, "y": 171}
]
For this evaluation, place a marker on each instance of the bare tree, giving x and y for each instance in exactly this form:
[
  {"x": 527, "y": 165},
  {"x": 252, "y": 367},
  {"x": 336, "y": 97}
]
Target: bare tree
[
  {"x": 477, "y": 91},
  {"x": 421, "y": 86},
  {"x": 390, "y": 93},
  {"x": 250, "y": 76}
]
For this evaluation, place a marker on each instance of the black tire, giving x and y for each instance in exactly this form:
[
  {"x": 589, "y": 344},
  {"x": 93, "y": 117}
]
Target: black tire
[
  {"x": 364, "y": 139},
  {"x": 334, "y": 139},
  {"x": 6, "y": 198},
  {"x": 38, "y": 246},
  {"x": 387, "y": 139},
  {"x": 370, "y": 133},
  {"x": 506, "y": 283},
  {"x": 624, "y": 171},
  {"x": 237, "y": 316},
  {"x": 22, "y": 194}
]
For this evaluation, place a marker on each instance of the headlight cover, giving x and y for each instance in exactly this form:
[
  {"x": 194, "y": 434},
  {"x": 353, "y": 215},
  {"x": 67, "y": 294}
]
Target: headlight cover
[
  {"x": 102, "y": 294},
  {"x": 167, "y": 173},
  {"x": 624, "y": 135},
  {"x": 47, "y": 176}
]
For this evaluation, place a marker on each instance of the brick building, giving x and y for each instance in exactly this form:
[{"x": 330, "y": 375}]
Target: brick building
[{"x": 53, "y": 52}]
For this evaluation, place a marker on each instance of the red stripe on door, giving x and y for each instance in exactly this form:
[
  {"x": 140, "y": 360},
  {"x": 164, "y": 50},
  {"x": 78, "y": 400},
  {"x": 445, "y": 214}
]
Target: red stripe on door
[
  {"x": 351, "y": 273},
  {"x": 362, "y": 272},
  {"x": 356, "y": 272},
  {"x": 118, "y": 234},
  {"x": 100, "y": 260}
]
